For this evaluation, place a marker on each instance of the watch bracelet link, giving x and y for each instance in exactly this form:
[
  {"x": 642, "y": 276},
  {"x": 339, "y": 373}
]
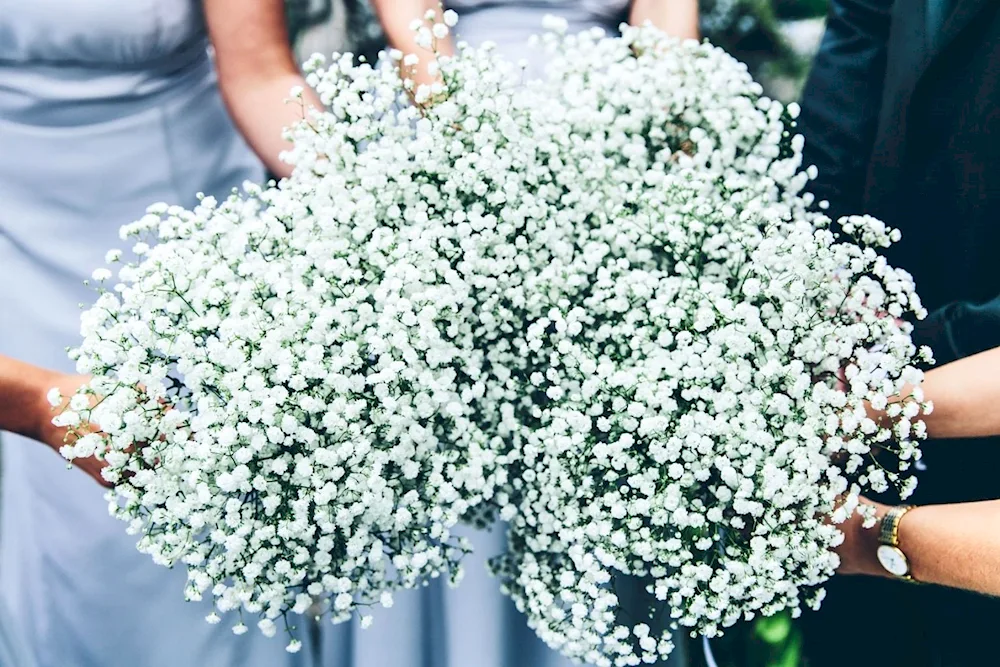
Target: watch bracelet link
[
  {"x": 889, "y": 533},
  {"x": 889, "y": 525}
]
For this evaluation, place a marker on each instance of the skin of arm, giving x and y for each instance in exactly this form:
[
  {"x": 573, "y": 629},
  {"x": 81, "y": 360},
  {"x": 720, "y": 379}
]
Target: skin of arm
[
  {"x": 964, "y": 394},
  {"x": 951, "y": 545},
  {"x": 396, "y": 17},
  {"x": 675, "y": 17},
  {"x": 25, "y": 409},
  {"x": 257, "y": 72},
  {"x": 954, "y": 545},
  {"x": 678, "y": 18}
]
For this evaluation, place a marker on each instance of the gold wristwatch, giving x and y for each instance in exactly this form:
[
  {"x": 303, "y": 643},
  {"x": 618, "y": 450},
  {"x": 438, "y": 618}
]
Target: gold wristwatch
[{"x": 890, "y": 556}]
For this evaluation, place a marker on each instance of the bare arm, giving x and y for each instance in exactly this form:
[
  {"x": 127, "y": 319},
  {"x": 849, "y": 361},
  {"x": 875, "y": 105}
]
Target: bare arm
[
  {"x": 396, "y": 17},
  {"x": 965, "y": 394},
  {"x": 678, "y": 18},
  {"x": 951, "y": 545},
  {"x": 257, "y": 72},
  {"x": 25, "y": 410}
]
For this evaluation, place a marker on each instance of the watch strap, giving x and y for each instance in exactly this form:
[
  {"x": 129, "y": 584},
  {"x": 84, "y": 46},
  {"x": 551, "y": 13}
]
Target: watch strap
[{"x": 888, "y": 532}]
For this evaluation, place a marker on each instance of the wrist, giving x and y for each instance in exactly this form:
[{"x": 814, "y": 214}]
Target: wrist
[
  {"x": 22, "y": 396},
  {"x": 910, "y": 526},
  {"x": 869, "y": 543},
  {"x": 891, "y": 554},
  {"x": 38, "y": 423},
  {"x": 859, "y": 550}
]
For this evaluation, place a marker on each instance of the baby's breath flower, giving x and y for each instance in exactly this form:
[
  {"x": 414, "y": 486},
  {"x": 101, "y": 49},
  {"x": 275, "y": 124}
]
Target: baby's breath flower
[
  {"x": 599, "y": 307},
  {"x": 54, "y": 397}
]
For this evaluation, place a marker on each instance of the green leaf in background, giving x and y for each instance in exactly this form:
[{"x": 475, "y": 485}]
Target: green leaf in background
[
  {"x": 800, "y": 9},
  {"x": 774, "y": 641},
  {"x": 774, "y": 629},
  {"x": 791, "y": 656}
]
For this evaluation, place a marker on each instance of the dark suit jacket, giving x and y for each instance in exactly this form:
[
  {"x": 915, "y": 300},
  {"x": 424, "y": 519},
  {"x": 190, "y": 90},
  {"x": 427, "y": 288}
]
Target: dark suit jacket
[{"x": 911, "y": 134}]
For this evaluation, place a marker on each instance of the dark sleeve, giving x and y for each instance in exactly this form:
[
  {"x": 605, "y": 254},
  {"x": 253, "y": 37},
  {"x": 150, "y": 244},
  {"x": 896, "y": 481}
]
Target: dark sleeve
[
  {"x": 842, "y": 98},
  {"x": 960, "y": 329}
]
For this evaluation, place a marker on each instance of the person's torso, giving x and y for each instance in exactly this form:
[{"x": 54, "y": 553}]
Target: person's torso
[
  {"x": 934, "y": 172},
  {"x": 935, "y": 175},
  {"x": 606, "y": 8},
  {"x": 106, "y": 107},
  {"x": 96, "y": 33},
  {"x": 511, "y": 23},
  {"x": 61, "y": 61}
]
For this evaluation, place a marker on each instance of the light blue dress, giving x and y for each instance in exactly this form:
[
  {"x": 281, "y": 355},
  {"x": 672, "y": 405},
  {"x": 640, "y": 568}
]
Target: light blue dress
[
  {"x": 106, "y": 106},
  {"x": 510, "y": 24}
]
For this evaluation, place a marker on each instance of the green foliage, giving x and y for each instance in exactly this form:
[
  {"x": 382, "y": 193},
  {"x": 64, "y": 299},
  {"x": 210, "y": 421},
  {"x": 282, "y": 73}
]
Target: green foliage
[
  {"x": 800, "y": 9},
  {"x": 767, "y": 642},
  {"x": 303, "y": 14},
  {"x": 749, "y": 30}
]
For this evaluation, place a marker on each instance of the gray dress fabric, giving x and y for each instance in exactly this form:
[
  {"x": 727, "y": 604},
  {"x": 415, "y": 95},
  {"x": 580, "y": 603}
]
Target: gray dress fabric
[
  {"x": 13, "y": 652},
  {"x": 106, "y": 106},
  {"x": 511, "y": 24}
]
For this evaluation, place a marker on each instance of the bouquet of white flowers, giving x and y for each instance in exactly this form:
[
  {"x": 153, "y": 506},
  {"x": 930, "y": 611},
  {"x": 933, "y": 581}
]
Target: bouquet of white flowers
[
  {"x": 596, "y": 307},
  {"x": 683, "y": 422},
  {"x": 294, "y": 400}
]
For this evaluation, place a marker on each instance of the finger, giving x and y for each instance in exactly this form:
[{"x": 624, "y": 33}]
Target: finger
[{"x": 93, "y": 467}]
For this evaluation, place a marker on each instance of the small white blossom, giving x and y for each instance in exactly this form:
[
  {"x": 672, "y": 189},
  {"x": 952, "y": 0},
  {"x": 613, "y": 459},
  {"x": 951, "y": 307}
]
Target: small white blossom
[
  {"x": 54, "y": 397},
  {"x": 440, "y": 30}
]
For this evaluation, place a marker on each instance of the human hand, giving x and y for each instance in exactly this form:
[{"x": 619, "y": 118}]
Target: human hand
[
  {"x": 858, "y": 551},
  {"x": 58, "y": 436}
]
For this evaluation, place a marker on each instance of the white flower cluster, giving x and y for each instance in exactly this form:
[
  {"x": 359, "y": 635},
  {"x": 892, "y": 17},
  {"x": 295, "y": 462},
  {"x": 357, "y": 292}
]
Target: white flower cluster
[
  {"x": 682, "y": 421},
  {"x": 292, "y": 383},
  {"x": 597, "y": 308}
]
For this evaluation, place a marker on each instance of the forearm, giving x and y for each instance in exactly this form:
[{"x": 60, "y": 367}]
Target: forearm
[
  {"x": 257, "y": 72},
  {"x": 396, "y": 17},
  {"x": 954, "y": 545},
  {"x": 25, "y": 408},
  {"x": 950, "y": 545},
  {"x": 262, "y": 108},
  {"x": 677, "y": 18},
  {"x": 22, "y": 391},
  {"x": 965, "y": 394}
]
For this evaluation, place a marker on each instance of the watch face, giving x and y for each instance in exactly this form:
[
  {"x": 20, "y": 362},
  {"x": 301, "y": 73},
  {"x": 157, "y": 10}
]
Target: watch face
[{"x": 893, "y": 560}]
